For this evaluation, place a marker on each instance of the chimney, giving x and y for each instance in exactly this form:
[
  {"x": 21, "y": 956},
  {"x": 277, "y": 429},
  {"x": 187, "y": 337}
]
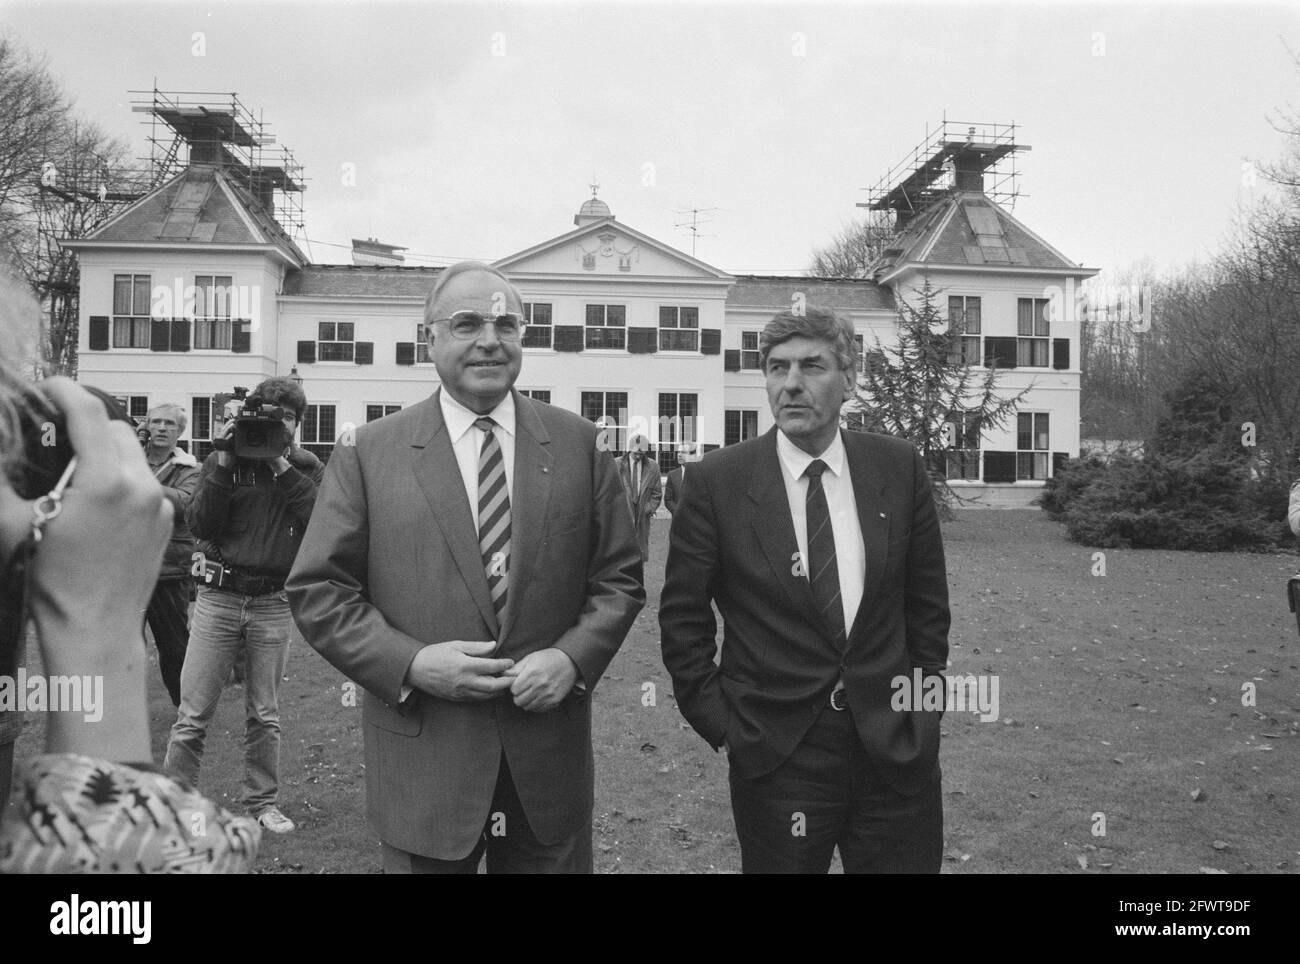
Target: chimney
[
  {"x": 206, "y": 139},
  {"x": 969, "y": 172},
  {"x": 264, "y": 190},
  {"x": 374, "y": 252}
]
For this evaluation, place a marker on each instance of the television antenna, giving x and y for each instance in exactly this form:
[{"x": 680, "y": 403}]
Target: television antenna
[{"x": 695, "y": 223}]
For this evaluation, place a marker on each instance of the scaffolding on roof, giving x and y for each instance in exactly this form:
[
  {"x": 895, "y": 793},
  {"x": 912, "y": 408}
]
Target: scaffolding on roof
[
  {"x": 206, "y": 127},
  {"x": 940, "y": 162}
]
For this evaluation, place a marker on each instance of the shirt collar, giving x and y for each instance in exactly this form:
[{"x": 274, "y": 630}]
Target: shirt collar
[
  {"x": 796, "y": 461},
  {"x": 460, "y": 419}
]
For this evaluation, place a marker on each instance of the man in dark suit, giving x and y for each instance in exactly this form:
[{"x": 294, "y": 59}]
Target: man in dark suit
[
  {"x": 472, "y": 565},
  {"x": 673, "y": 487},
  {"x": 640, "y": 477},
  {"x": 822, "y": 551}
]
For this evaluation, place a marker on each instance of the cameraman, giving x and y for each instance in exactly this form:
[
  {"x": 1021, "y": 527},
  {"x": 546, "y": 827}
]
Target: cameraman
[
  {"x": 178, "y": 473},
  {"x": 254, "y": 512}
]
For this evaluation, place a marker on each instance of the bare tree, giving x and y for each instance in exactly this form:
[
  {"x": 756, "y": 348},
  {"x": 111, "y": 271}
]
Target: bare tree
[
  {"x": 59, "y": 178},
  {"x": 852, "y": 252},
  {"x": 1117, "y": 352},
  {"x": 31, "y": 107}
]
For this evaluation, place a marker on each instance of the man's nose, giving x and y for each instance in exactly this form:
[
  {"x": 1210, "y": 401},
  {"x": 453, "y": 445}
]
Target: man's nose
[{"x": 487, "y": 334}]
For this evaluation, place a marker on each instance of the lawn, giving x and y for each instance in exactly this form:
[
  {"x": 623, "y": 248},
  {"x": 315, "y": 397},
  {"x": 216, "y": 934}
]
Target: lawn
[{"x": 1119, "y": 695}]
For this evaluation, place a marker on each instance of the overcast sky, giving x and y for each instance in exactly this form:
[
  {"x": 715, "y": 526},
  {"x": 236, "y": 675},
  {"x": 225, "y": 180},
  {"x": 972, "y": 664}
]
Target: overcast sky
[{"x": 474, "y": 129}]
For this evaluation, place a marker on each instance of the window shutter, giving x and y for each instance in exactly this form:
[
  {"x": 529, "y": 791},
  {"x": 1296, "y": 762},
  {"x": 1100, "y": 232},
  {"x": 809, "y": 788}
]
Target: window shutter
[
  {"x": 1001, "y": 351},
  {"x": 365, "y": 354},
  {"x": 711, "y": 341},
  {"x": 642, "y": 341},
  {"x": 406, "y": 353},
  {"x": 180, "y": 334},
  {"x": 241, "y": 339},
  {"x": 999, "y": 466},
  {"x": 731, "y": 360},
  {"x": 1060, "y": 353},
  {"x": 568, "y": 338},
  {"x": 306, "y": 353},
  {"x": 99, "y": 333},
  {"x": 160, "y": 334}
]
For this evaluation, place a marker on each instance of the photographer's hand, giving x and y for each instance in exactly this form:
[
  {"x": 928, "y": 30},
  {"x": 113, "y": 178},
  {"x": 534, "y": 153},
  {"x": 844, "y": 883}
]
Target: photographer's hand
[{"x": 92, "y": 576}]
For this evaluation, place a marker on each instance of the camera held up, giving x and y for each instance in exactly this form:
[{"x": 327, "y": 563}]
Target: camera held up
[
  {"x": 46, "y": 445},
  {"x": 259, "y": 432}
]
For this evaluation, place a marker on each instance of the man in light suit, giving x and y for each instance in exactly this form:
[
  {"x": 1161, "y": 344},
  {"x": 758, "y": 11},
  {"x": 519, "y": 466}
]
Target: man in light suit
[
  {"x": 472, "y": 565},
  {"x": 640, "y": 476},
  {"x": 822, "y": 551}
]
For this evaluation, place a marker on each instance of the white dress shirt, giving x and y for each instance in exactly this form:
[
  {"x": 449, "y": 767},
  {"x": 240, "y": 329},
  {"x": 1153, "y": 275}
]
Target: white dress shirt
[
  {"x": 467, "y": 443},
  {"x": 850, "y": 552}
]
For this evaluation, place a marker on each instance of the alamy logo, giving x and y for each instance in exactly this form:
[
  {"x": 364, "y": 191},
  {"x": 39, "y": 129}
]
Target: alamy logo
[
  {"x": 73, "y": 917},
  {"x": 55, "y": 694},
  {"x": 959, "y": 694},
  {"x": 191, "y": 301}
]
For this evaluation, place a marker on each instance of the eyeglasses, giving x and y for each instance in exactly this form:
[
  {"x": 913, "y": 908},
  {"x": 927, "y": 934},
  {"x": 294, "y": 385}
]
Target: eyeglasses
[{"x": 469, "y": 324}]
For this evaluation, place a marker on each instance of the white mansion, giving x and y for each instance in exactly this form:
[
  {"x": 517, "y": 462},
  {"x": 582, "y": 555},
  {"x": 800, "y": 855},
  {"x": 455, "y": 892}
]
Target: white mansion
[{"x": 196, "y": 288}]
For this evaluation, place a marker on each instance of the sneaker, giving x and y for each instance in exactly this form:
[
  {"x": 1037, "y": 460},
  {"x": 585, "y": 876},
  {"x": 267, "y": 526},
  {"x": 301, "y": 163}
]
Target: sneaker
[{"x": 273, "y": 820}]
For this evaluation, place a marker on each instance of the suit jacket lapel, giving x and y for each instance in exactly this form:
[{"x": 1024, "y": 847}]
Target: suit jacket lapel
[
  {"x": 438, "y": 475},
  {"x": 775, "y": 530},
  {"x": 869, "y": 492},
  {"x": 531, "y": 501}
]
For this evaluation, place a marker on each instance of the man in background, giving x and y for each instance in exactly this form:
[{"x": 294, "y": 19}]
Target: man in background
[
  {"x": 177, "y": 471},
  {"x": 640, "y": 476},
  {"x": 254, "y": 513},
  {"x": 676, "y": 479}
]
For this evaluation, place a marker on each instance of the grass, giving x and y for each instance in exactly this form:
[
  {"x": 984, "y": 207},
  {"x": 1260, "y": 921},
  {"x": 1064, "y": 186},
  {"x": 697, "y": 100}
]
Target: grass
[{"x": 1119, "y": 695}]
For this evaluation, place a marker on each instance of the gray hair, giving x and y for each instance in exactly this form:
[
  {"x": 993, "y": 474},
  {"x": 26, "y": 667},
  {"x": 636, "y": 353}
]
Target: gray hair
[
  {"x": 172, "y": 409},
  {"x": 813, "y": 323}
]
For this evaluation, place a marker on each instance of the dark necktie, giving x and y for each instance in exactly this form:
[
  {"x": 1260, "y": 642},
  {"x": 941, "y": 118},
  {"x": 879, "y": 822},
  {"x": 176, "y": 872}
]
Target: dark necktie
[
  {"x": 493, "y": 515},
  {"x": 823, "y": 573}
]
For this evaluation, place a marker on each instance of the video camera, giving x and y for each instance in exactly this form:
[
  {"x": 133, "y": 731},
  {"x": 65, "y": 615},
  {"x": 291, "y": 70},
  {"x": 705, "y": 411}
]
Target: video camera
[{"x": 259, "y": 428}]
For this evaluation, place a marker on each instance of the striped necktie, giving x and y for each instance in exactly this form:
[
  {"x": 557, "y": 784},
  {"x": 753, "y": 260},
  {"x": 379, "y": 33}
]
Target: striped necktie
[
  {"x": 823, "y": 573},
  {"x": 493, "y": 515}
]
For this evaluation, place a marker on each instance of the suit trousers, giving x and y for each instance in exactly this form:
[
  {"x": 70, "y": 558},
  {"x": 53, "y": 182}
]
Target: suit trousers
[
  {"x": 828, "y": 794},
  {"x": 508, "y": 841},
  {"x": 168, "y": 618}
]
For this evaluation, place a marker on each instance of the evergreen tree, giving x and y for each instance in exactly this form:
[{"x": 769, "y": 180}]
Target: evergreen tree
[
  {"x": 922, "y": 390},
  {"x": 1193, "y": 488}
]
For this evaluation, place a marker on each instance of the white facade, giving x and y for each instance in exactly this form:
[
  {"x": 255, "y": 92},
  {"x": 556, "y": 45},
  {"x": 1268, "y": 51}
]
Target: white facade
[{"x": 352, "y": 333}]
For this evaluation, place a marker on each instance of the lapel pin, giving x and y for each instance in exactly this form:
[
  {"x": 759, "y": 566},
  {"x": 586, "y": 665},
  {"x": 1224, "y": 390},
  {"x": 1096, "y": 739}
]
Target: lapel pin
[
  {"x": 882, "y": 515},
  {"x": 545, "y": 469}
]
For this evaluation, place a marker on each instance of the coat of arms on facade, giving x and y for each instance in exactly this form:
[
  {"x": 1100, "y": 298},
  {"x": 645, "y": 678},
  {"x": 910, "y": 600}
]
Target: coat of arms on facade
[{"x": 607, "y": 247}]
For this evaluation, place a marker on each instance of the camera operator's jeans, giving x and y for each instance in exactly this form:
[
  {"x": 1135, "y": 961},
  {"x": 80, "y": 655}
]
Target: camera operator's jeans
[{"x": 218, "y": 624}]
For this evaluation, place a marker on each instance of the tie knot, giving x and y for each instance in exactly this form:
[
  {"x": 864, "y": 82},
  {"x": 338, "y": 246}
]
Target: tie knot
[
  {"x": 485, "y": 423},
  {"x": 815, "y": 469}
]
